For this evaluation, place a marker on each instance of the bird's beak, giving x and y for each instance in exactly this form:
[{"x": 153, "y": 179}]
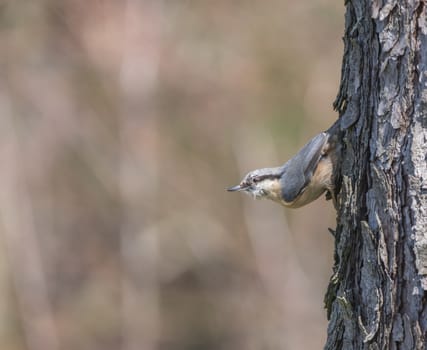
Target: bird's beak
[{"x": 236, "y": 188}]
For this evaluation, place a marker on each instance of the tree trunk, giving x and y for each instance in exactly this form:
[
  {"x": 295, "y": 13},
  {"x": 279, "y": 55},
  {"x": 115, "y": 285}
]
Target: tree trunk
[{"x": 377, "y": 294}]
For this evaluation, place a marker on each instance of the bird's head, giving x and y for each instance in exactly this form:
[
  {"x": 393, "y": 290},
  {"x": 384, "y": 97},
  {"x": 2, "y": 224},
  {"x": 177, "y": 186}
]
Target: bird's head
[{"x": 261, "y": 183}]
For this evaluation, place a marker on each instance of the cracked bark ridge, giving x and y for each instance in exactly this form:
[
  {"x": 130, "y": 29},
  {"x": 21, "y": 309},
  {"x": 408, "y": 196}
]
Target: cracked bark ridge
[{"x": 377, "y": 296}]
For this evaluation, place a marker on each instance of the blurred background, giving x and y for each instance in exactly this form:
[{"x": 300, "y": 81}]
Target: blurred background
[{"x": 121, "y": 125}]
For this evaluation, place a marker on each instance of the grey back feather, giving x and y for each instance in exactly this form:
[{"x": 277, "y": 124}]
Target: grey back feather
[{"x": 298, "y": 170}]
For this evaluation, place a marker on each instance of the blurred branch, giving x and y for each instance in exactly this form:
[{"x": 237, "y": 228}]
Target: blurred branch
[
  {"x": 20, "y": 239},
  {"x": 139, "y": 254}
]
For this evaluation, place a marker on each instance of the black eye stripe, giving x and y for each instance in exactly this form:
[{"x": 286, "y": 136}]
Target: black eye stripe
[{"x": 264, "y": 177}]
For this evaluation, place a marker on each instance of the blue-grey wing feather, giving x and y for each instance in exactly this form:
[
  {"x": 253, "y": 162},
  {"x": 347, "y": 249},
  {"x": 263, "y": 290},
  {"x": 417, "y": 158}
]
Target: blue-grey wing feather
[{"x": 298, "y": 170}]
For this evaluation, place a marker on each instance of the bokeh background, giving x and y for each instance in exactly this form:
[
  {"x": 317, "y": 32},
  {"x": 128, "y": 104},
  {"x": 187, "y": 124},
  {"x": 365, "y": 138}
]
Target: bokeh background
[{"x": 121, "y": 125}]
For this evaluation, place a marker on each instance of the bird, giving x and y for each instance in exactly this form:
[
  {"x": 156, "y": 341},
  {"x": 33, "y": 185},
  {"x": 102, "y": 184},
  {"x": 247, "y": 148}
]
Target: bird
[{"x": 301, "y": 180}]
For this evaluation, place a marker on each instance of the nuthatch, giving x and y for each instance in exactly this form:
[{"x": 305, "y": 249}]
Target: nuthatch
[{"x": 301, "y": 180}]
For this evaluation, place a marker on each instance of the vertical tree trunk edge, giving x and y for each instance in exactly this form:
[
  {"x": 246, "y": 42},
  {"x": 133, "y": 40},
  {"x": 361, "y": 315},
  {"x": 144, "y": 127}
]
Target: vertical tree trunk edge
[{"x": 376, "y": 297}]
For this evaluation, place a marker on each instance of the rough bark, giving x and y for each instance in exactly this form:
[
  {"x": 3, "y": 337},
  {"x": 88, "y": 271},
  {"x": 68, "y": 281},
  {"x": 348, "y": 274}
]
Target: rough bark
[{"x": 377, "y": 294}]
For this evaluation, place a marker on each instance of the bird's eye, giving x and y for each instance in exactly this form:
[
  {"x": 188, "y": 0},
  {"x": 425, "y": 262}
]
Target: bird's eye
[{"x": 256, "y": 179}]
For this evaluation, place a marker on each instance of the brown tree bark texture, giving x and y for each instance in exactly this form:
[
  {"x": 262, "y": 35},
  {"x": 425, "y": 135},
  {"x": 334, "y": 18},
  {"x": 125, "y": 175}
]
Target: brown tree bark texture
[{"x": 377, "y": 294}]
